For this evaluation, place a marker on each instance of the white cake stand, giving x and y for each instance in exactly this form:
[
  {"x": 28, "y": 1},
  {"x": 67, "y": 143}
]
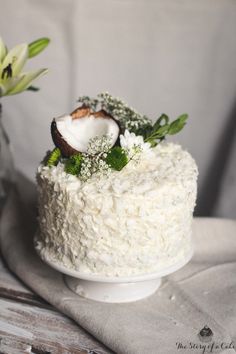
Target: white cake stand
[{"x": 114, "y": 289}]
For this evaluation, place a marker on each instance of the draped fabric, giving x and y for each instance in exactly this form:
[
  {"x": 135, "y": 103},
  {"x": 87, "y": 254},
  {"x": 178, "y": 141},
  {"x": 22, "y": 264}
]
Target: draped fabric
[{"x": 158, "y": 55}]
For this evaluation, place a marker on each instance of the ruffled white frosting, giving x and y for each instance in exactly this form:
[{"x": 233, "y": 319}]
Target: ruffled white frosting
[{"x": 132, "y": 222}]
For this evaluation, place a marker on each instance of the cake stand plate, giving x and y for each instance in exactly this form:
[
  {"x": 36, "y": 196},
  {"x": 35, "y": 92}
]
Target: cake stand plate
[{"x": 113, "y": 289}]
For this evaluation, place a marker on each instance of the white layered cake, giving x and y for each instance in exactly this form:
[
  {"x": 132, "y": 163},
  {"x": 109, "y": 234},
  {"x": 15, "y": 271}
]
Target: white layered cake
[{"x": 118, "y": 221}]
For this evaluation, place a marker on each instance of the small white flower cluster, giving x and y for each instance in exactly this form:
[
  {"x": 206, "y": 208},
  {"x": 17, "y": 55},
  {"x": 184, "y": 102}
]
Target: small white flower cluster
[
  {"x": 89, "y": 102},
  {"x": 133, "y": 145},
  {"x": 94, "y": 158},
  {"x": 129, "y": 118},
  {"x": 92, "y": 165},
  {"x": 99, "y": 145}
]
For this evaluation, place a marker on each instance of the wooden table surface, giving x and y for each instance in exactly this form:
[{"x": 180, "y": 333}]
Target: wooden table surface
[{"x": 30, "y": 325}]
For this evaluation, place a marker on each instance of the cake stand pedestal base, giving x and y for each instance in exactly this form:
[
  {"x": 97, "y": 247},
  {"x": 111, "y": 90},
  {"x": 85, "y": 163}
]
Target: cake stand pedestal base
[{"x": 112, "y": 292}]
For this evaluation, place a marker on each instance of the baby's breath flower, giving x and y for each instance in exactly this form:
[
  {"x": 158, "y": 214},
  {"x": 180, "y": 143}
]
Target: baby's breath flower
[
  {"x": 85, "y": 171},
  {"x": 103, "y": 168},
  {"x": 89, "y": 102},
  {"x": 93, "y": 165},
  {"x": 127, "y": 116},
  {"x": 99, "y": 145},
  {"x": 94, "y": 159}
]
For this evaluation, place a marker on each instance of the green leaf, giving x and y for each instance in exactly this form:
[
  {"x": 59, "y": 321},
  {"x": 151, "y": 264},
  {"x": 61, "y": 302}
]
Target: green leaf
[
  {"x": 144, "y": 131},
  {"x": 37, "y": 46},
  {"x": 117, "y": 158},
  {"x": 158, "y": 131},
  {"x": 162, "y": 131},
  {"x": 33, "y": 88},
  {"x": 53, "y": 158},
  {"x": 178, "y": 124},
  {"x": 162, "y": 120},
  {"x": 73, "y": 164}
]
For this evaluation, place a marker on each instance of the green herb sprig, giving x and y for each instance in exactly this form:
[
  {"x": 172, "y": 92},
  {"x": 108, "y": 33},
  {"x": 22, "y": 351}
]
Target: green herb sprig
[
  {"x": 101, "y": 157},
  {"x": 134, "y": 121},
  {"x": 163, "y": 127},
  {"x": 73, "y": 164},
  {"x": 117, "y": 158},
  {"x": 53, "y": 157}
]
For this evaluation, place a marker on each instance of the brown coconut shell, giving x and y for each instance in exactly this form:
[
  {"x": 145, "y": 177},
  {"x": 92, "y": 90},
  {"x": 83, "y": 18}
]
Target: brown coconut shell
[
  {"x": 81, "y": 112},
  {"x": 78, "y": 113}
]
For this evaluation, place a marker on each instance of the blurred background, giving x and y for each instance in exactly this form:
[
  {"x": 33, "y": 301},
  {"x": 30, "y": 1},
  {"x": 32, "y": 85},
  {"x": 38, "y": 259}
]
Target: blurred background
[{"x": 171, "y": 56}]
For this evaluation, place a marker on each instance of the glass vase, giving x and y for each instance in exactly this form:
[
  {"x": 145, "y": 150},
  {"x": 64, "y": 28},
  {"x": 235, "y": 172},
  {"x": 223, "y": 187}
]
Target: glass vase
[{"x": 7, "y": 171}]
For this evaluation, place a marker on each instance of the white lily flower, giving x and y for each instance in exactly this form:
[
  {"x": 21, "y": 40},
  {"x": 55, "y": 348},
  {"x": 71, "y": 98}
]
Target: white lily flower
[
  {"x": 16, "y": 58},
  {"x": 25, "y": 79},
  {"x": 133, "y": 144},
  {"x": 3, "y": 50},
  {"x": 12, "y": 79}
]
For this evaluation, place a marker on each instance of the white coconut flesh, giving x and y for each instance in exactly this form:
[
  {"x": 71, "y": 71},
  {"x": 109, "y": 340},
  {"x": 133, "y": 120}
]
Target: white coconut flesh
[{"x": 78, "y": 132}]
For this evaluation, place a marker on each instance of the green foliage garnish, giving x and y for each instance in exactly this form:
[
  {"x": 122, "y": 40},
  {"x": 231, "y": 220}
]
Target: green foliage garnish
[
  {"x": 36, "y": 47},
  {"x": 162, "y": 127},
  {"x": 134, "y": 121},
  {"x": 136, "y": 129},
  {"x": 162, "y": 121},
  {"x": 73, "y": 164},
  {"x": 53, "y": 157},
  {"x": 145, "y": 130},
  {"x": 117, "y": 158},
  {"x": 178, "y": 124}
]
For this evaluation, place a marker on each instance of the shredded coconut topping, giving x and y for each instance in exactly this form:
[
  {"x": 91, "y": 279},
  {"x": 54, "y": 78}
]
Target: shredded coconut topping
[{"x": 130, "y": 222}]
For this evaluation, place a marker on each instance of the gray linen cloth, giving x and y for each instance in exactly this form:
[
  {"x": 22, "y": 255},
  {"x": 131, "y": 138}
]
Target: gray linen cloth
[{"x": 202, "y": 293}]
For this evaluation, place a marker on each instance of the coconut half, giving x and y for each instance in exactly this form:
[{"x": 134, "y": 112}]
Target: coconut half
[{"x": 71, "y": 133}]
